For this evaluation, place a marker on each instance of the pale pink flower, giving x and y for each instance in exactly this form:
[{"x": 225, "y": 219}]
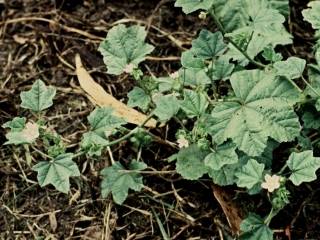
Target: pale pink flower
[
  {"x": 128, "y": 68},
  {"x": 183, "y": 142},
  {"x": 271, "y": 182}
]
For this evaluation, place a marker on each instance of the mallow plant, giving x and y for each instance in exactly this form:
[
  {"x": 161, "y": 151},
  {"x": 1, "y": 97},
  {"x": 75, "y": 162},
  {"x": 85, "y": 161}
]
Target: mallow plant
[{"x": 235, "y": 97}]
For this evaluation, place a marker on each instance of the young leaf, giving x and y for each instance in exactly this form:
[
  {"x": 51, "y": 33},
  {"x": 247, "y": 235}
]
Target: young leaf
[
  {"x": 303, "y": 166},
  {"x": 190, "y": 163},
  {"x": 39, "y": 97},
  {"x": 189, "y": 6},
  {"x": 117, "y": 181},
  {"x": 16, "y": 125},
  {"x": 103, "y": 121},
  {"x": 263, "y": 109},
  {"x": 166, "y": 107},
  {"x": 270, "y": 54},
  {"x": 225, "y": 154},
  {"x": 250, "y": 174},
  {"x": 208, "y": 45},
  {"x": 292, "y": 68},
  {"x": 93, "y": 144},
  {"x": 194, "y": 104},
  {"x": 312, "y": 14},
  {"x": 28, "y": 134},
  {"x": 57, "y": 172},
  {"x": 253, "y": 228},
  {"x": 138, "y": 98},
  {"x": 124, "y": 46}
]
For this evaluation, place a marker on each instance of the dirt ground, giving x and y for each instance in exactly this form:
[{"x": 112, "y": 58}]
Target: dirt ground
[{"x": 39, "y": 40}]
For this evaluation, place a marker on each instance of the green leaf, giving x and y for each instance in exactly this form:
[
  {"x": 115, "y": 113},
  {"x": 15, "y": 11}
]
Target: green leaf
[
  {"x": 190, "y": 60},
  {"x": 28, "y": 134},
  {"x": 57, "y": 172},
  {"x": 139, "y": 98},
  {"x": 194, "y": 104},
  {"x": 225, "y": 154},
  {"x": 123, "y": 46},
  {"x": 303, "y": 167},
  {"x": 263, "y": 108},
  {"x": 208, "y": 45},
  {"x": 118, "y": 181},
  {"x": 190, "y": 163},
  {"x": 225, "y": 175},
  {"x": 166, "y": 107},
  {"x": 17, "y": 124},
  {"x": 253, "y": 228},
  {"x": 222, "y": 69},
  {"x": 250, "y": 174},
  {"x": 194, "y": 77},
  {"x": 102, "y": 121},
  {"x": 292, "y": 68},
  {"x": 270, "y": 54},
  {"x": 312, "y": 14},
  {"x": 189, "y": 6},
  {"x": 93, "y": 144},
  {"x": 39, "y": 97},
  {"x": 311, "y": 118}
]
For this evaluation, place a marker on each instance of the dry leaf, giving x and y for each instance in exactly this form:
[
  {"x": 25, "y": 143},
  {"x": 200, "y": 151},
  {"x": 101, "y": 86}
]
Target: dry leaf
[
  {"x": 230, "y": 210},
  {"x": 100, "y": 97}
]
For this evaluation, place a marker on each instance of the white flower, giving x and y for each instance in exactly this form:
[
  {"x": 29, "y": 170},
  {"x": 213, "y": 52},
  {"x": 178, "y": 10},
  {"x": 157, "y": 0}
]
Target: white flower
[
  {"x": 30, "y": 132},
  {"x": 128, "y": 68},
  {"x": 202, "y": 15},
  {"x": 174, "y": 75},
  {"x": 183, "y": 142},
  {"x": 271, "y": 182}
]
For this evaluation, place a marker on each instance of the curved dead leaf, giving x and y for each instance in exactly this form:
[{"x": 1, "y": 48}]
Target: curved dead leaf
[{"x": 100, "y": 97}]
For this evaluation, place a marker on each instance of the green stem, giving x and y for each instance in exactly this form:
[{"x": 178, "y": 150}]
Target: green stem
[
  {"x": 132, "y": 132},
  {"x": 282, "y": 169},
  {"x": 272, "y": 213},
  {"x": 310, "y": 86},
  {"x": 244, "y": 53}
]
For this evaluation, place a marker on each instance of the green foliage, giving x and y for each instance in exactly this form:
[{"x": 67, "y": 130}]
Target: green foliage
[
  {"x": 117, "y": 180},
  {"x": 253, "y": 228},
  {"x": 18, "y": 135},
  {"x": 225, "y": 154},
  {"x": 312, "y": 14},
  {"x": 39, "y": 97},
  {"x": 250, "y": 174},
  {"x": 194, "y": 104},
  {"x": 166, "y": 107},
  {"x": 103, "y": 124},
  {"x": 292, "y": 68},
  {"x": 139, "y": 98},
  {"x": 17, "y": 124},
  {"x": 189, "y": 6},
  {"x": 57, "y": 172},
  {"x": 208, "y": 45},
  {"x": 190, "y": 162},
  {"x": 124, "y": 46},
  {"x": 303, "y": 167},
  {"x": 258, "y": 112}
]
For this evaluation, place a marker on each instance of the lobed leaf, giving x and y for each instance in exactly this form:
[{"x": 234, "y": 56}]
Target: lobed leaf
[
  {"x": 303, "y": 167},
  {"x": 124, "y": 46},
  {"x": 118, "y": 181},
  {"x": 39, "y": 97},
  {"x": 57, "y": 172}
]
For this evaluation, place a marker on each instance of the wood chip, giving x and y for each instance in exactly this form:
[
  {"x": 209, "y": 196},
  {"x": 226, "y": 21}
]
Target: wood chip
[{"x": 100, "y": 97}]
